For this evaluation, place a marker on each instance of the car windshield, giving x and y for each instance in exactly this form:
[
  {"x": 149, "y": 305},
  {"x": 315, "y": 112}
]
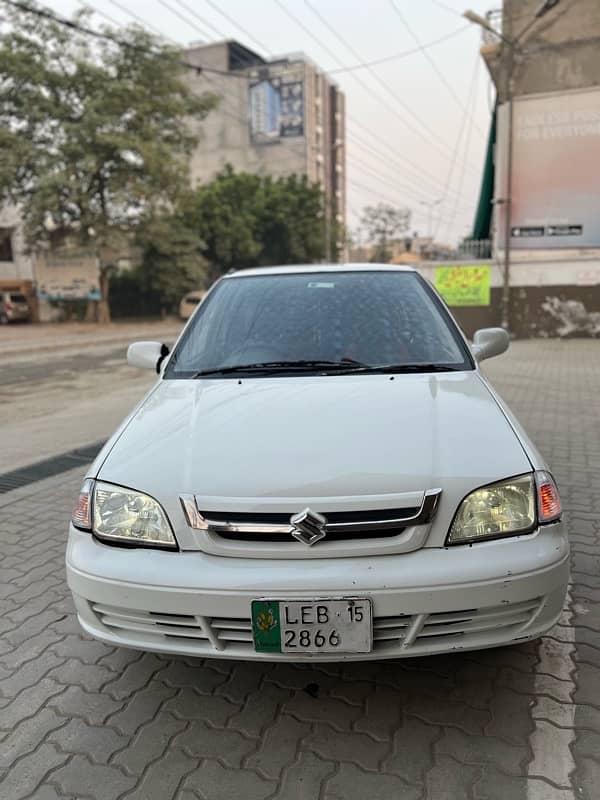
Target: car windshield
[{"x": 320, "y": 323}]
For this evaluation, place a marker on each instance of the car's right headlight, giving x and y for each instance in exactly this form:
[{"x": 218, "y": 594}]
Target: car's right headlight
[
  {"x": 122, "y": 516},
  {"x": 507, "y": 508}
]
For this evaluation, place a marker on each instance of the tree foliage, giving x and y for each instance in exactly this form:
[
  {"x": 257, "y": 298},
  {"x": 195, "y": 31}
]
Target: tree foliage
[
  {"x": 247, "y": 220},
  {"x": 92, "y": 138},
  {"x": 171, "y": 259},
  {"x": 384, "y": 223}
]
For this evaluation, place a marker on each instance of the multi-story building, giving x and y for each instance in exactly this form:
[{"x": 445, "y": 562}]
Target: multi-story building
[
  {"x": 274, "y": 117},
  {"x": 544, "y": 58}
]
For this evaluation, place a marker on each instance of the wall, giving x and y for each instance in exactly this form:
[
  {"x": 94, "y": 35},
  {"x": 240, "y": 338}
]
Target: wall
[
  {"x": 552, "y": 298},
  {"x": 561, "y": 51},
  {"x": 224, "y": 135},
  {"x": 21, "y": 267}
]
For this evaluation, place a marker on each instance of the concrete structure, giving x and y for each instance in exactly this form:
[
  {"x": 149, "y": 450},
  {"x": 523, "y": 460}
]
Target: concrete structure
[
  {"x": 551, "y": 73},
  {"x": 16, "y": 264},
  {"x": 275, "y": 117},
  {"x": 43, "y": 276}
]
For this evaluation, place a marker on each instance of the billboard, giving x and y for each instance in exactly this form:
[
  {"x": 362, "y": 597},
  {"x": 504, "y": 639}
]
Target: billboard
[
  {"x": 556, "y": 171},
  {"x": 276, "y": 104}
]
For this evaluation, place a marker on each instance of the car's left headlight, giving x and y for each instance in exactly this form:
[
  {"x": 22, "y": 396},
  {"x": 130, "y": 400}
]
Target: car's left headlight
[
  {"x": 501, "y": 509},
  {"x": 123, "y": 515}
]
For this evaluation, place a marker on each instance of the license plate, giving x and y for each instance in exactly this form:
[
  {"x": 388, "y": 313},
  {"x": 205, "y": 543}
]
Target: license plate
[{"x": 312, "y": 626}]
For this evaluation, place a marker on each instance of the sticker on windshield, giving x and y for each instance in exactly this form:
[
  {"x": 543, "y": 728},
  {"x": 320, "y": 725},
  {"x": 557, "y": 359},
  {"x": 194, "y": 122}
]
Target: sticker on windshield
[{"x": 320, "y": 285}]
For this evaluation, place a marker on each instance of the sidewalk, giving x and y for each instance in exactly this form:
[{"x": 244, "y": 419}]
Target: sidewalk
[{"x": 31, "y": 338}]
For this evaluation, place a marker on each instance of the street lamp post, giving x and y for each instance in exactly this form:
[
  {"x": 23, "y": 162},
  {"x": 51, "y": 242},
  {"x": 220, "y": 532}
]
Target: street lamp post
[
  {"x": 508, "y": 90},
  {"x": 430, "y": 206}
]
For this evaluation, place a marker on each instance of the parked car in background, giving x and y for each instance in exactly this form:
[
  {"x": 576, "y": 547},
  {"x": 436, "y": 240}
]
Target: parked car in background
[
  {"x": 189, "y": 302},
  {"x": 13, "y": 307},
  {"x": 321, "y": 471}
]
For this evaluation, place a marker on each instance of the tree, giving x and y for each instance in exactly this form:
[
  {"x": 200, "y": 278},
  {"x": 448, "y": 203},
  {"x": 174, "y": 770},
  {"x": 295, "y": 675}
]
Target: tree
[
  {"x": 384, "y": 223},
  {"x": 172, "y": 261},
  {"x": 247, "y": 220},
  {"x": 92, "y": 135}
]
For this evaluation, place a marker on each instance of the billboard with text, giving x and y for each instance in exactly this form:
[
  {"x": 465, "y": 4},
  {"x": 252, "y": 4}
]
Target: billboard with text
[
  {"x": 556, "y": 171},
  {"x": 276, "y": 104}
]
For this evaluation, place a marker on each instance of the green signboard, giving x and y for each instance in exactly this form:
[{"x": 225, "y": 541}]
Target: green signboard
[{"x": 464, "y": 286}]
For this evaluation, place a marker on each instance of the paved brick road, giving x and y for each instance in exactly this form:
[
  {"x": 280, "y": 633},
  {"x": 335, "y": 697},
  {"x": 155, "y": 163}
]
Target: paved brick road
[{"x": 79, "y": 719}]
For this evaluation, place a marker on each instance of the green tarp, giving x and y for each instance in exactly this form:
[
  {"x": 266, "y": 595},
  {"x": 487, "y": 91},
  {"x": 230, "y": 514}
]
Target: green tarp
[{"x": 483, "y": 217}]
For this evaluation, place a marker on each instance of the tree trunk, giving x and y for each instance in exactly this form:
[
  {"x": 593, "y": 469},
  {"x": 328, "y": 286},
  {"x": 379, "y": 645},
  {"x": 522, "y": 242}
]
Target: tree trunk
[
  {"x": 91, "y": 311},
  {"x": 103, "y": 311}
]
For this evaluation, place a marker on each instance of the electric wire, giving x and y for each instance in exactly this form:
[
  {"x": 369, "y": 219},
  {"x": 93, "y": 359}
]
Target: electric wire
[
  {"x": 457, "y": 143},
  {"x": 435, "y": 141},
  {"x": 448, "y": 86},
  {"x": 236, "y": 24}
]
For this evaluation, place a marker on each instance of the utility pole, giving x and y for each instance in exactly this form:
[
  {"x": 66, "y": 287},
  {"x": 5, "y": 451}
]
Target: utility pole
[{"x": 508, "y": 90}]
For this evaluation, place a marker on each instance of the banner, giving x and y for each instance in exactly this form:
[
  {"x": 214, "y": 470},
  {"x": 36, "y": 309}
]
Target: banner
[
  {"x": 276, "y": 105},
  {"x": 464, "y": 286},
  {"x": 555, "y": 171}
]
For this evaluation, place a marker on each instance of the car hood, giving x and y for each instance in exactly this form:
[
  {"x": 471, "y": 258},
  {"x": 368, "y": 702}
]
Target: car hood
[{"x": 286, "y": 441}]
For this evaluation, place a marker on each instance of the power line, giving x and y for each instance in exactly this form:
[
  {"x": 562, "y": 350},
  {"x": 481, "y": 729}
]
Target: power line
[
  {"x": 473, "y": 100},
  {"x": 447, "y": 8},
  {"x": 106, "y": 16},
  {"x": 131, "y": 13},
  {"x": 357, "y": 78},
  {"x": 237, "y": 25},
  {"x": 381, "y": 196},
  {"x": 368, "y": 171},
  {"x": 204, "y": 71},
  {"x": 417, "y": 192},
  {"x": 183, "y": 18},
  {"x": 398, "y": 56},
  {"x": 458, "y": 141},
  {"x": 451, "y": 90},
  {"x": 201, "y": 19},
  {"x": 79, "y": 28},
  {"x": 387, "y": 158},
  {"x": 438, "y": 143}
]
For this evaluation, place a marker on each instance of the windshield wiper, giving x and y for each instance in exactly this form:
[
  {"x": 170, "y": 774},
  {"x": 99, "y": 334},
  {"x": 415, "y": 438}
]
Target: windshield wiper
[
  {"x": 398, "y": 369},
  {"x": 267, "y": 367}
]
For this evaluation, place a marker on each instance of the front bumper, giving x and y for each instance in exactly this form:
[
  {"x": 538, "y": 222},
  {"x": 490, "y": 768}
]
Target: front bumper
[{"x": 432, "y": 600}]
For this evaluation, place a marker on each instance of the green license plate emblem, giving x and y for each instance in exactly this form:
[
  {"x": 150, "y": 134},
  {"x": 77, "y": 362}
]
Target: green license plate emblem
[{"x": 266, "y": 627}]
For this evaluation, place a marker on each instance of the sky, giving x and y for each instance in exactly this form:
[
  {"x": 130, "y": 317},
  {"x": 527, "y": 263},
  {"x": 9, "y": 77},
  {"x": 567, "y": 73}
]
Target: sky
[{"x": 416, "y": 124}]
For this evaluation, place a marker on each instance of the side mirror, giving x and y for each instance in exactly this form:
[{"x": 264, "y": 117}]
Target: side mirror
[
  {"x": 490, "y": 342},
  {"x": 147, "y": 355}
]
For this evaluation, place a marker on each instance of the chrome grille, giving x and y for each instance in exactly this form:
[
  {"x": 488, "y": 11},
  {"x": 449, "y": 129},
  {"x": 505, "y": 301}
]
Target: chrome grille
[{"x": 340, "y": 525}]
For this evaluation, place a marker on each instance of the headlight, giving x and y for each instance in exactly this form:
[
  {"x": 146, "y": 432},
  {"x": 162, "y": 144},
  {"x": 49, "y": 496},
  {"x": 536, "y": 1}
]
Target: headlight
[
  {"x": 500, "y": 509},
  {"x": 123, "y": 515}
]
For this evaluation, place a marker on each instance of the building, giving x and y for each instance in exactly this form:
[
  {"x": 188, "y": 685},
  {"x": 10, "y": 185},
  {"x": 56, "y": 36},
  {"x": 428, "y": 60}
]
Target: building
[
  {"x": 45, "y": 278},
  {"x": 544, "y": 159},
  {"x": 275, "y": 117}
]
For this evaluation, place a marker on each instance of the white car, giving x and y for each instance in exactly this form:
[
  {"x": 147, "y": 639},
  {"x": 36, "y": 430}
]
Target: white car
[{"x": 320, "y": 472}]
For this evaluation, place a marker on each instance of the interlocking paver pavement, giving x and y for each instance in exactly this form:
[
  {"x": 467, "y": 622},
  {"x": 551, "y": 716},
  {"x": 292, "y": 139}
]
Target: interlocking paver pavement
[{"x": 79, "y": 719}]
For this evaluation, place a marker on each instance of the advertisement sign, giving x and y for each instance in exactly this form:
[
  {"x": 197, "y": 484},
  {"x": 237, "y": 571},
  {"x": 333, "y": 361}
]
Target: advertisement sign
[
  {"x": 71, "y": 275},
  {"x": 556, "y": 171},
  {"x": 276, "y": 105},
  {"x": 464, "y": 286}
]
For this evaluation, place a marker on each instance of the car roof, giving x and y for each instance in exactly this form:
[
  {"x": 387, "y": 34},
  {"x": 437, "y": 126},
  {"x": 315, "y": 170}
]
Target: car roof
[{"x": 299, "y": 269}]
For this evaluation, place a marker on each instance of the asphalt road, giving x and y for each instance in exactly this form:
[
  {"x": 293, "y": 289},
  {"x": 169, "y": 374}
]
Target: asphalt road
[{"x": 54, "y": 399}]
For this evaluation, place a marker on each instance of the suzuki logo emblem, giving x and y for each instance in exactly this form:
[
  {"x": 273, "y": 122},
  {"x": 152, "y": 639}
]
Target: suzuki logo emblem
[{"x": 308, "y": 527}]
